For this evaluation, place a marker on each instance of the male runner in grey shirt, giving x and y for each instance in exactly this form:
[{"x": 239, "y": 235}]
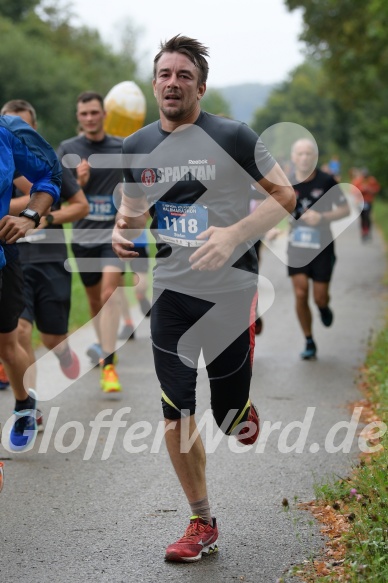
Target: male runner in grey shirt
[{"x": 194, "y": 170}]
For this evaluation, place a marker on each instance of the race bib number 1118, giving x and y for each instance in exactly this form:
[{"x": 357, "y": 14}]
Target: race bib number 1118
[{"x": 180, "y": 224}]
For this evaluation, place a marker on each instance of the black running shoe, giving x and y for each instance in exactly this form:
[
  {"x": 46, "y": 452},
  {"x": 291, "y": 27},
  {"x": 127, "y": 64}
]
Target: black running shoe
[{"x": 327, "y": 316}]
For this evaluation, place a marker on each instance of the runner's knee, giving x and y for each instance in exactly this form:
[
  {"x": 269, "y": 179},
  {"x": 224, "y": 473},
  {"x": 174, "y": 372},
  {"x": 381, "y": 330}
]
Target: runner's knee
[
  {"x": 177, "y": 408},
  {"x": 301, "y": 293}
]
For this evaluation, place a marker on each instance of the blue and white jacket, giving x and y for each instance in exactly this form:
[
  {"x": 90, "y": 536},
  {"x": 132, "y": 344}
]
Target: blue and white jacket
[{"x": 24, "y": 150}]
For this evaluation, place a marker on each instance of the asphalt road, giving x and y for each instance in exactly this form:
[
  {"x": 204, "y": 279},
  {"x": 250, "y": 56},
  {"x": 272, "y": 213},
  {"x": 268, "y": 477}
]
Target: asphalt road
[{"x": 67, "y": 515}]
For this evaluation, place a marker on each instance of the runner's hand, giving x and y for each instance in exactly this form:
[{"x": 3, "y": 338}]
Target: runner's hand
[
  {"x": 83, "y": 173},
  {"x": 13, "y": 228},
  {"x": 215, "y": 252},
  {"x": 311, "y": 218},
  {"x": 120, "y": 243}
]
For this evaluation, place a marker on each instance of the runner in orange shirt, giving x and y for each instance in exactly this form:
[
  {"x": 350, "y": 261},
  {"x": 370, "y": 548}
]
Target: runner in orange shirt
[{"x": 369, "y": 187}]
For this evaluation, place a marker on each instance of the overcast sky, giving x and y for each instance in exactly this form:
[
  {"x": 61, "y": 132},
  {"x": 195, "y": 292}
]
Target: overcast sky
[{"x": 254, "y": 41}]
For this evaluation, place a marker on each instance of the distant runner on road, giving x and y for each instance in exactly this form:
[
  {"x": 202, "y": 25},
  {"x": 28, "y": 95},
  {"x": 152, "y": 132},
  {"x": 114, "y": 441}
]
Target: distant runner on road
[
  {"x": 369, "y": 187},
  {"x": 319, "y": 201}
]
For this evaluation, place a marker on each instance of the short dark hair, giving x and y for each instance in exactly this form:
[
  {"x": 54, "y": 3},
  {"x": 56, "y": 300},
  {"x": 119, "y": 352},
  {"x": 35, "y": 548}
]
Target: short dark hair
[
  {"x": 190, "y": 47},
  {"x": 17, "y": 106},
  {"x": 86, "y": 96}
]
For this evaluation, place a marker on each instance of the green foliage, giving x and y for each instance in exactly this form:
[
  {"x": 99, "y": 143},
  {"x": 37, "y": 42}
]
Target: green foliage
[
  {"x": 214, "y": 102},
  {"x": 380, "y": 216},
  {"x": 350, "y": 36},
  {"x": 152, "y": 113},
  {"x": 363, "y": 502},
  {"x": 32, "y": 71},
  {"x": 16, "y": 10},
  {"x": 48, "y": 62},
  {"x": 349, "y": 39},
  {"x": 303, "y": 100},
  {"x": 363, "y": 499}
]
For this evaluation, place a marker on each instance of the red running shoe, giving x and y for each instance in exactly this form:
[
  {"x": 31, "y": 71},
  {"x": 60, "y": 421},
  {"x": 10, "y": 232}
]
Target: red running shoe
[
  {"x": 39, "y": 420},
  {"x": 72, "y": 370},
  {"x": 199, "y": 539},
  {"x": 252, "y": 424},
  {"x": 258, "y": 326}
]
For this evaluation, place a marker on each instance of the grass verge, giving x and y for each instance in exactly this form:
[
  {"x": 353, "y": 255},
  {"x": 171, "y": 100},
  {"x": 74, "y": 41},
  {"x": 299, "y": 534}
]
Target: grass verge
[{"x": 354, "y": 511}]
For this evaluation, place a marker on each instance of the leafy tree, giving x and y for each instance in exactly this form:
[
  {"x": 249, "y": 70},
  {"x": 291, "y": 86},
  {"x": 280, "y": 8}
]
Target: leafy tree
[
  {"x": 152, "y": 113},
  {"x": 301, "y": 100},
  {"x": 16, "y": 10},
  {"x": 349, "y": 39},
  {"x": 214, "y": 102},
  {"x": 47, "y": 61}
]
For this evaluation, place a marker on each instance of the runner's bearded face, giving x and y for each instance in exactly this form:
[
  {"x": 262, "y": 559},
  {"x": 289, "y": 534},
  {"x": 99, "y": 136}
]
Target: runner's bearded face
[
  {"x": 90, "y": 117},
  {"x": 176, "y": 87}
]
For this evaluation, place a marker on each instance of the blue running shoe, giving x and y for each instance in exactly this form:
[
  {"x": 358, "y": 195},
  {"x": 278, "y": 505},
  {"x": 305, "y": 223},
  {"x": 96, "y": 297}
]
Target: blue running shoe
[
  {"x": 24, "y": 430},
  {"x": 310, "y": 352},
  {"x": 94, "y": 352},
  {"x": 327, "y": 316}
]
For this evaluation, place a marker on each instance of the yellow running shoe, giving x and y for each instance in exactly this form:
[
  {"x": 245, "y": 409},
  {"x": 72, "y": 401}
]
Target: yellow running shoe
[{"x": 109, "y": 380}]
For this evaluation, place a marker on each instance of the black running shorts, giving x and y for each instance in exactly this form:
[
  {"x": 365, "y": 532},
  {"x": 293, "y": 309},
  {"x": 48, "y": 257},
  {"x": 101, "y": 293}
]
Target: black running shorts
[
  {"x": 181, "y": 326},
  {"x": 320, "y": 268},
  {"x": 102, "y": 255},
  {"x": 47, "y": 293},
  {"x": 11, "y": 299}
]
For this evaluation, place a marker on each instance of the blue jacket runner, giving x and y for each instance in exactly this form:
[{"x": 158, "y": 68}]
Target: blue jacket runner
[{"x": 24, "y": 150}]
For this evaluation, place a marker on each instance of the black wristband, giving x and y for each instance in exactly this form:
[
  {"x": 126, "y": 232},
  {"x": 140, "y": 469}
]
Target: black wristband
[{"x": 30, "y": 214}]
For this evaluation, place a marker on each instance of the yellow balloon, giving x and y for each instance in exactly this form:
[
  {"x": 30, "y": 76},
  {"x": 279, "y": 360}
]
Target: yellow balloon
[{"x": 125, "y": 107}]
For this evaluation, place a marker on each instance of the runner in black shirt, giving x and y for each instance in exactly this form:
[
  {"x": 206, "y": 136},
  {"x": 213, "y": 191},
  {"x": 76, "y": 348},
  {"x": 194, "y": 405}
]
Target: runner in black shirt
[
  {"x": 311, "y": 247},
  {"x": 99, "y": 267},
  {"x": 196, "y": 181}
]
